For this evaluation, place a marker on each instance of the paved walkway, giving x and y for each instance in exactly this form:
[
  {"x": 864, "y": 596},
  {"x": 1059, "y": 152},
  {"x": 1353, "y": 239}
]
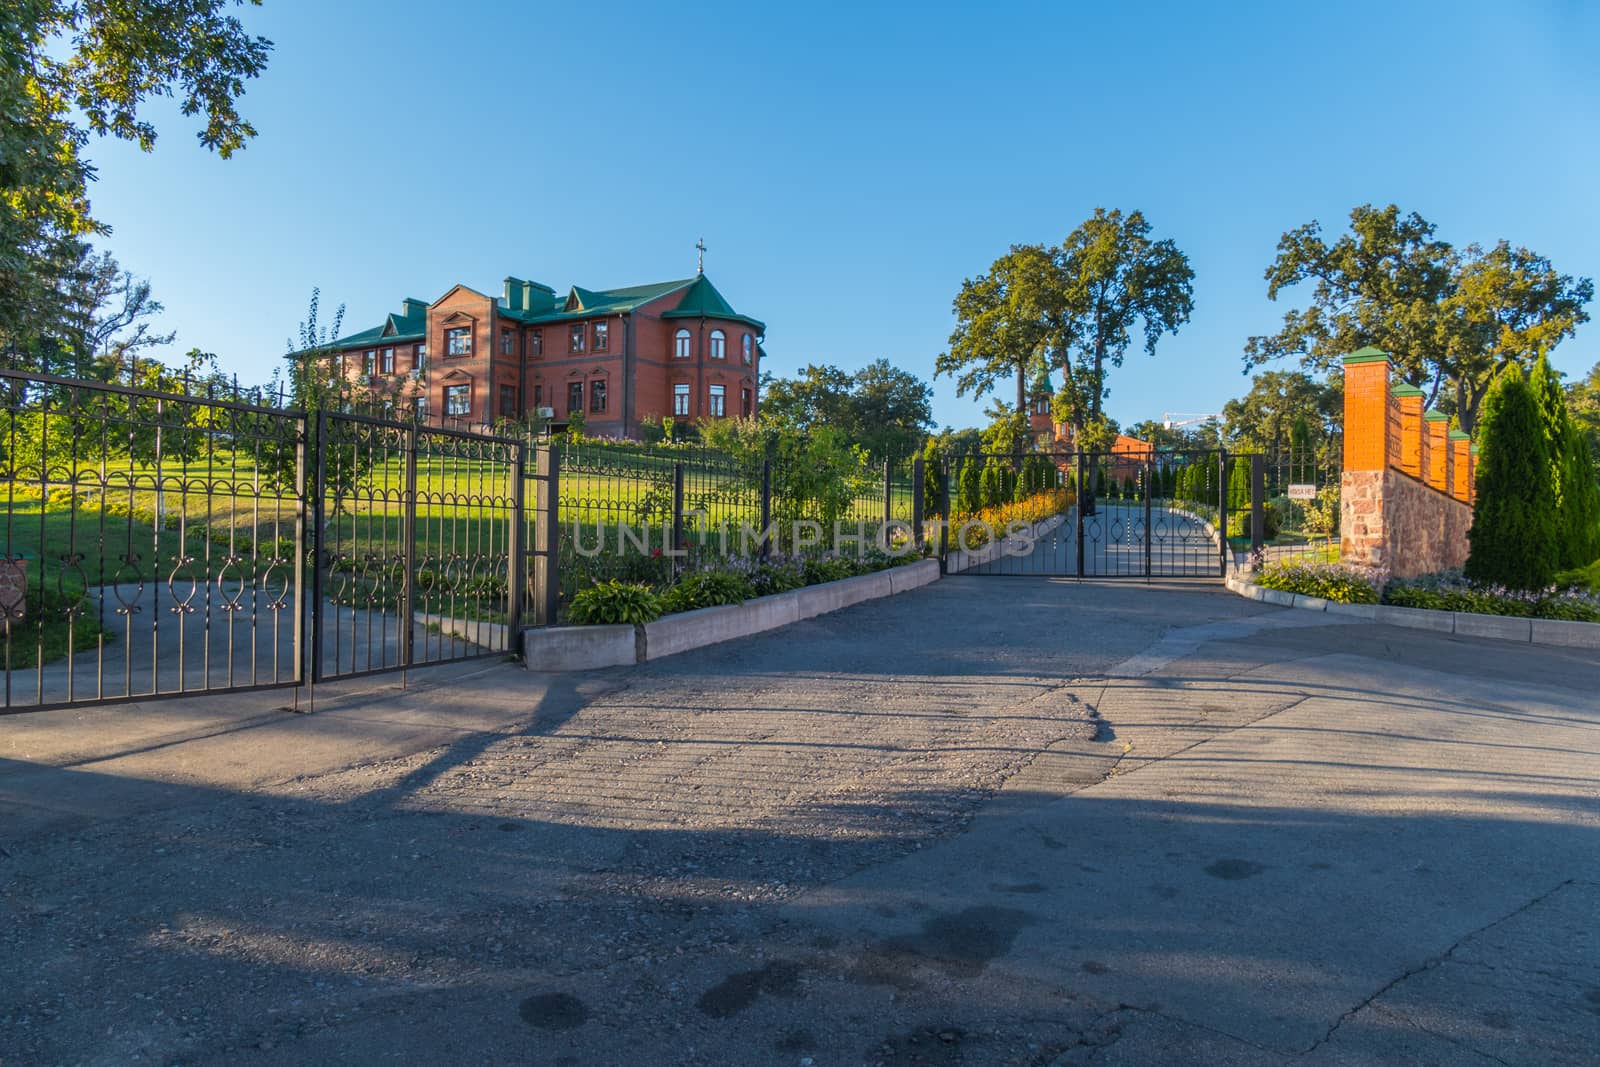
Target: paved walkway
[{"x": 991, "y": 821}]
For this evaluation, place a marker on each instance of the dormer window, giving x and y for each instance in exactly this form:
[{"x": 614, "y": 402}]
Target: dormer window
[
  {"x": 575, "y": 338},
  {"x": 718, "y": 344},
  {"x": 458, "y": 341},
  {"x": 749, "y": 349},
  {"x": 681, "y": 344}
]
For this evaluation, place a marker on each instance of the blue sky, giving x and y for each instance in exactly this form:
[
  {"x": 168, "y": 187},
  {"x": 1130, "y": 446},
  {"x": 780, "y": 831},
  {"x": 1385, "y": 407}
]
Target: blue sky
[{"x": 848, "y": 165}]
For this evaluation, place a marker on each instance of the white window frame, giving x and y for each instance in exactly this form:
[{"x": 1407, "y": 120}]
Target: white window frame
[
  {"x": 462, "y": 334},
  {"x": 602, "y": 337},
  {"x": 682, "y": 344},
  {"x": 719, "y": 345},
  {"x": 388, "y": 361},
  {"x": 575, "y": 338},
  {"x": 370, "y": 363},
  {"x": 450, "y": 394}
]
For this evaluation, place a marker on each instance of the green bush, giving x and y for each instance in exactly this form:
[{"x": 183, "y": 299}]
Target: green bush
[
  {"x": 613, "y": 602},
  {"x": 1514, "y": 535},
  {"x": 1452, "y": 591},
  {"x": 819, "y": 569},
  {"x": 779, "y": 576},
  {"x": 1340, "y": 583},
  {"x": 706, "y": 589},
  {"x": 1571, "y": 471},
  {"x": 1583, "y": 579}
]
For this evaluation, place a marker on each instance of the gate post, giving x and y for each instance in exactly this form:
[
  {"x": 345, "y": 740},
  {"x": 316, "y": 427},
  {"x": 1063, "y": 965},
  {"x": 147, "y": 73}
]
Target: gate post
[
  {"x": 299, "y": 570},
  {"x": 945, "y": 464},
  {"x": 1222, "y": 508},
  {"x": 919, "y": 478},
  {"x": 408, "y": 541},
  {"x": 888, "y": 498},
  {"x": 1258, "y": 500},
  {"x": 319, "y": 445},
  {"x": 1078, "y": 509},
  {"x": 766, "y": 501},
  {"x": 546, "y": 534},
  {"x": 677, "y": 518},
  {"x": 1144, "y": 476},
  {"x": 517, "y": 563}
]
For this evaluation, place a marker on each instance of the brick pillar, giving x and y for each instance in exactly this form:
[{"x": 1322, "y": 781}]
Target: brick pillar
[
  {"x": 1411, "y": 429},
  {"x": 1437, "y": 424},
  {"x": 1366, "y": 456},
  {"x": 1461, "y": 466},
  {"x": 1472, "y": 474},
  {"x": 1366, "y": 410}
]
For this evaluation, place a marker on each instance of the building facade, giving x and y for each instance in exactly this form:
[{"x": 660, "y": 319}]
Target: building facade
[{"x": 620, "y": 356}]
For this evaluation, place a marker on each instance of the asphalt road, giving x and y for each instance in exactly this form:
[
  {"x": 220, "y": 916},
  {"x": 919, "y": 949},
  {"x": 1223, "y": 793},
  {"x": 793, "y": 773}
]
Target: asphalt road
[
  {"x": 1118, "y": 542},
  {"x": 988, "y": 822}
]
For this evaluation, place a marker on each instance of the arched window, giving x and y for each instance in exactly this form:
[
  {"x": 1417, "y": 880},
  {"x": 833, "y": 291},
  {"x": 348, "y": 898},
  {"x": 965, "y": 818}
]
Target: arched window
[
  {"x": 749, "y": 349},
  {"x": 681, "y": 344},
  {"x": 718, "y": 343}
]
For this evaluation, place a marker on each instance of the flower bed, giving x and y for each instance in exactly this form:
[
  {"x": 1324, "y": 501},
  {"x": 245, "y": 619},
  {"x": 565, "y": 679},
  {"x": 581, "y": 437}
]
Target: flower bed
[
  {"x": 737, "y": 580},
  {"x": 1449, "y": 591},
  {"x": 977, "y": 528}
]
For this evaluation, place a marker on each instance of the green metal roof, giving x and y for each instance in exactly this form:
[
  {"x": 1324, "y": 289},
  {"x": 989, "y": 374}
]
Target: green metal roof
[
  {"x": 700, "y": 299},
  {"x": 1405, "y": 389},
  {"x": 1435, "y": 415},
  {"x": 1459, "y": 435},
  {"x": 1368, "y": 354}
]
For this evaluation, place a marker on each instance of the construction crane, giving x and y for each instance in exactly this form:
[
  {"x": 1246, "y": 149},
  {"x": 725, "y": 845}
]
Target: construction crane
[{"x": 1173, "y": 420}]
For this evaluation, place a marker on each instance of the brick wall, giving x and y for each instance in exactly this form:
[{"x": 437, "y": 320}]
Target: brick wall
[{"x": 1408, "y": 485}]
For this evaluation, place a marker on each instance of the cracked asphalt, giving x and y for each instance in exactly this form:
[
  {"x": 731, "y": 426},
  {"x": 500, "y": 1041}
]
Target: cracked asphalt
[{"x": 994, "y": 821}]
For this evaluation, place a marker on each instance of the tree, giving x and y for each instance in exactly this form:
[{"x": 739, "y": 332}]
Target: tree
[
  {"x": 1264, "y": 419},
  {"x": 892, "y": 408},
  {"x": 971, "y": 485},
  {"x": 1448, "y": 320},
  {"x": 1577, "y": 498},
  {"x": 1071, "y": 308},
  {"x": 1006, "y": 322},
  {"x": 71, "y": 68},
  {"x": 1513, "y": 536},
  {"x": 1583, "y": 404},
  {"x": 880, "y": 407},
  {"x": 1507, "y": 305},
  {"x": 1382, "y": 284}
]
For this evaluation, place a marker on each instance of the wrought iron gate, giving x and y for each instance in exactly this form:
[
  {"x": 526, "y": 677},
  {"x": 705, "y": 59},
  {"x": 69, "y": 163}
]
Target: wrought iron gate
[
  {"x": 418, "y": 535},
  {"x": 160, "y": 544},
  {"x": 1087, "y": 514}
]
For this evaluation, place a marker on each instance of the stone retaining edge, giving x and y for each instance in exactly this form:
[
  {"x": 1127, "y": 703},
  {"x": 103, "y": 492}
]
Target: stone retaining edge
[
  {"x": 1556, "y": 632},
  {"x": 582, "y": 648}
]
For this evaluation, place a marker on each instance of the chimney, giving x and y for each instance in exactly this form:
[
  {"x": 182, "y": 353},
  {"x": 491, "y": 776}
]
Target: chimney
[
  {"x": 515, "y": 288},
  {"x": 410, "y": 308}
]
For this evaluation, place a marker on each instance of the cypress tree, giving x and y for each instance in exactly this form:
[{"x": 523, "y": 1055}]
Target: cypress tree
[
  {"x": 932, "y": 471},
  {"x": 990, "y": 484},
  {"x": 971, "y": 486},
  {"x": 1571, "y": 473},
  {"x": 1513, "y": 536}
]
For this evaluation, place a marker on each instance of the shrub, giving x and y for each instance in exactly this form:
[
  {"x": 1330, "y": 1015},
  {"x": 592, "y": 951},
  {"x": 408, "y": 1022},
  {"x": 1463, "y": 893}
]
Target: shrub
[
  {"x": 776, "y": 576},
  {"x": 1513, "y": 536},
  {"x": 706, "y": 589},
  {"x": 819, "y": 569},
  {"x": 614, "y": 602},
  {"x": 1577, "y": 496},
  {"x": 1583, "y": 579},
  {"x": 1341, "y": 583},
  {"x": 1453, "y": 591}
]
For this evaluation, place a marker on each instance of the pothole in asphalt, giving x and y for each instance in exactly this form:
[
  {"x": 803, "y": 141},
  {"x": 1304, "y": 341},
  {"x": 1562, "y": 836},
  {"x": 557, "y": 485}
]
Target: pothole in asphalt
[
  {"x": 553, "y": 1011},
  {"x": 1234, "y": 870},
  {"x": 737, "y": 992}
]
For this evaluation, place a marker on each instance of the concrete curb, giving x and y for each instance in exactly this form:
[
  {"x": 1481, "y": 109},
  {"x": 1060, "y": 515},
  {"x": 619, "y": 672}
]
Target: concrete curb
[
  {"x": 1557, "y": 632},
  {"x": 582, "y": 648}
]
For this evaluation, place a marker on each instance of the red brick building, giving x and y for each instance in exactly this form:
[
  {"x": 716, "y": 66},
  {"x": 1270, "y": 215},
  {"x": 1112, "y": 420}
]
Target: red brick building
[{"x": 675, "y": 349}]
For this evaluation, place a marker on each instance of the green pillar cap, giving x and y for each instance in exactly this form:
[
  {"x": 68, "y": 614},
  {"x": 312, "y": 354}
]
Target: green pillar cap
[
  {"x": 1368, "y": 354},
  {"x": 1401, "y": 388},
  {"x": 1435, "y": 415},
  {"x": 1458, "y": 435},
  {"x": 1474, "y": 448}
]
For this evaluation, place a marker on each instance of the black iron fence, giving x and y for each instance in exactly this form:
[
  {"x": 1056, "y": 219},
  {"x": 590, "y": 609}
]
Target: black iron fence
[{"x": 160, "y": 543}]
